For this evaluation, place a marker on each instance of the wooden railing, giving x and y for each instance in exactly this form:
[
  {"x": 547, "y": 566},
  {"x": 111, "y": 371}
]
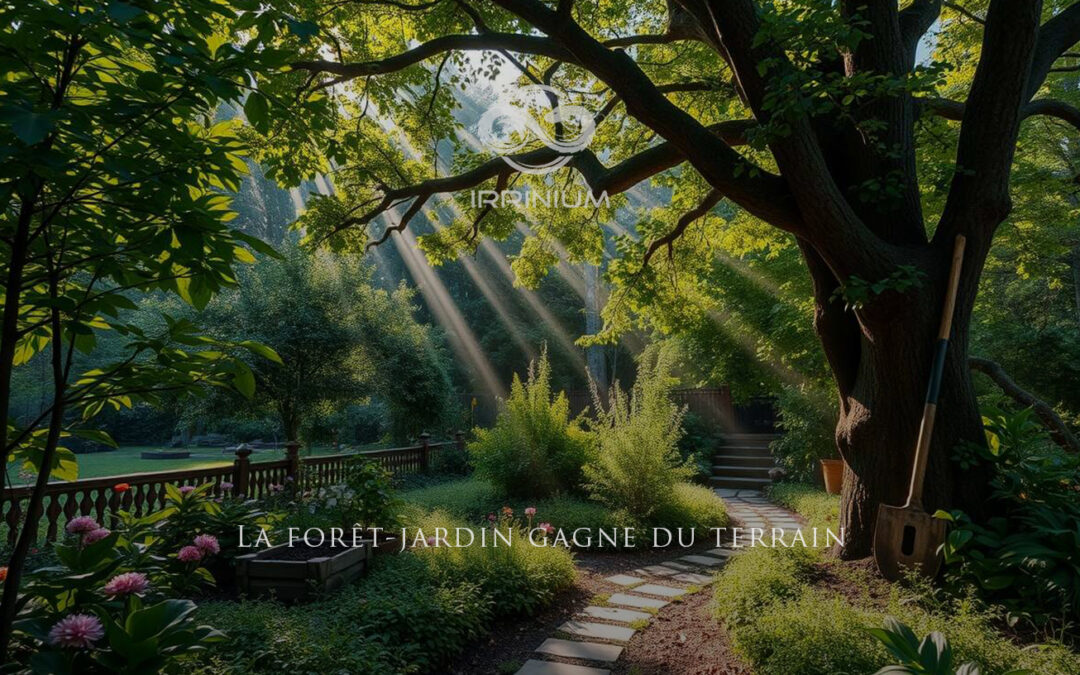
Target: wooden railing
[{"x": 146, "y": 492}]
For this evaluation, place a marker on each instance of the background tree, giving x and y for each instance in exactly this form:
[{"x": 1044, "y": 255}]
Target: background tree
[
  {"x": 112, "y": 182},
  {"x": 340, "y": 339},
  {"x": 804, "y": 114}
]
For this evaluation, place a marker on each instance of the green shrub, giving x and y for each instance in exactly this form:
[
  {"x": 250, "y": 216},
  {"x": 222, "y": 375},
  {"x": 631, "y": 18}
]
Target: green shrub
[
  {"x": 517, "y": 579},
  {"x": 637, "y": 464},
  {"x": 467, "y": 498},
  {"x": 400, "y": 619},
  {"x": 534, "y": 449},
  {"x": 692, "y": 506},
  {"x": 807, "y": 419},
  {"x": 472, "y": 499},
  {"x": 758, "y": 577},
  {"x": 821, "y": 509},
  {"x": 785, "y": 625},
  {"x": 1026, "y": 560}
]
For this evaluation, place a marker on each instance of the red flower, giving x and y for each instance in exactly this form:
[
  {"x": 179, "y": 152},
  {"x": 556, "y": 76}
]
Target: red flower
[
  {"x": 121, "y": 487},
  {"x": 3, "y": 573}
]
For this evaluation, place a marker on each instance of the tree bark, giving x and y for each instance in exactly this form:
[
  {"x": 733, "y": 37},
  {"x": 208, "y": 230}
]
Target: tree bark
[{"x": 881, "y": 357}]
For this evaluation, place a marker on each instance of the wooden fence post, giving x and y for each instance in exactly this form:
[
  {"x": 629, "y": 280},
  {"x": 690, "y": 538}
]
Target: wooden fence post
[
  {"x": 459, "y": 439},
  {"x": 292, "y": 453},
  {"x": 425, "y": 452},
  {"x": 241, "y": 470}
]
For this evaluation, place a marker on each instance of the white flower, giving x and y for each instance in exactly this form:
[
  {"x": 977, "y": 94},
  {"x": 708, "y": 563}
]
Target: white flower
[{"x": 331, "y": 503}]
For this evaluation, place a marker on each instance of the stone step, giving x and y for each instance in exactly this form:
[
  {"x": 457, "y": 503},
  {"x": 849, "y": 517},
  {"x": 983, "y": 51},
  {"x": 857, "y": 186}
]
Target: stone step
[
  {"x": 615, "y": 614},
  {"x": 763, "y": 461},
  {"x": 641, "y": 602},
  {"x": 739, "y": 483},
  {"x": 624, "y": 580},
  {"x": 759, "y": 450},
  {"x": 728, "y": 471},
  {"x": 536, "y": 667},
  {"x": 751, "y": 437},
  {"x": 587, "y": 651},
  {"x": 662, "y": 591},
  {"x": 597, "y": 631}
]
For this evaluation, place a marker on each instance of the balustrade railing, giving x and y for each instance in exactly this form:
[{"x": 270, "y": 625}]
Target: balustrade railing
[{"x": 98, "y": 497}]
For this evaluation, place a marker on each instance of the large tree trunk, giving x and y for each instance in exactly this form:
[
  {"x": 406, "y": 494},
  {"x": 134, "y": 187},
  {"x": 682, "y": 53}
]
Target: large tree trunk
[{"x": 881, "y": 357}]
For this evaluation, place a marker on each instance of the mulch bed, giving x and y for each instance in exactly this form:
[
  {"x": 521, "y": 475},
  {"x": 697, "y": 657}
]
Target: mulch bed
[{"x": 683, "y": 638}]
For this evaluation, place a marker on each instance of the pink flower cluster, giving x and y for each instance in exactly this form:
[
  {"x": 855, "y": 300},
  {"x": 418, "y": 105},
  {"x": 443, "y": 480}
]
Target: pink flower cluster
[
  {"x": 208, "y": 544},
  {"x": 126, "y": 584},
  {"x": 78, "y": 631},
  {"x": 204, "y": 545},
  {"x": 87, "y": 528},
  {"x": 187, "y": 489}
]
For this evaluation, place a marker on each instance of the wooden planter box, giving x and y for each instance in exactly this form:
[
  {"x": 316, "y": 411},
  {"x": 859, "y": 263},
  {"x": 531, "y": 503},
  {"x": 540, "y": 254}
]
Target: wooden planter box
[{"x": 265, "y": 573}]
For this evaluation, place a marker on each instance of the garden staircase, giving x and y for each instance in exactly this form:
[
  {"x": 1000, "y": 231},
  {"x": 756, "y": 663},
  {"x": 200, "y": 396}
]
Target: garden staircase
[{"x": 743, "y": 462}]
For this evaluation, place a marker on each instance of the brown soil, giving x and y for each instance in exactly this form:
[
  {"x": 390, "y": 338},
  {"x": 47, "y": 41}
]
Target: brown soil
[{"x": 682, "y": 638}]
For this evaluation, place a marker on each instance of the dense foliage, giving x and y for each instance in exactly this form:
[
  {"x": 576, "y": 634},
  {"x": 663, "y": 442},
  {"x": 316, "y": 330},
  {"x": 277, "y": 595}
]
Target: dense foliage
[
  {"x": 637, "y": 463},
  {"x": 534, "y": 449},
  {"x": 1025, "y": 559}
]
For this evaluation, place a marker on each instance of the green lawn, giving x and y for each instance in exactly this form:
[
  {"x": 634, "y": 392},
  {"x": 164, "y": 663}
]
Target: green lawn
[{"x": 127, "y": 460}]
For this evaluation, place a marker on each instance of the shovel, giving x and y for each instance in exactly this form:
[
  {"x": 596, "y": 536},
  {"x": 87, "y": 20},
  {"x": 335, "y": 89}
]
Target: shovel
[{"x": 907, "y": 536}]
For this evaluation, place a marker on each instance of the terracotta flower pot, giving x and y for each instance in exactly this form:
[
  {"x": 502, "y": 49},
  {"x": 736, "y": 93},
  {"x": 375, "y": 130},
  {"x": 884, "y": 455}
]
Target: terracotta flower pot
[{"x": 833, "y": 471}]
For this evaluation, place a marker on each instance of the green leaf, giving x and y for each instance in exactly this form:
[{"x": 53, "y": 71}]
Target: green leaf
[
  {"x": 244, "y": 381},
  {"x": 262, "y": 350},
  {"x": 31, "y": 127},
  {"x": 150, "y": 81},
  {"x": 257, "y": 109}
]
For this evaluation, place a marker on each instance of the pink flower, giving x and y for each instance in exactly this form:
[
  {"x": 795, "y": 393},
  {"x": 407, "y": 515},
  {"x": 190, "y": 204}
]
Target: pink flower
[
  {"x": 208, "y": 544},
  {"x": 95, "y": 535},
  {"x": 77, "y": 630},
  {"x": 531, "y": 511},
  {"x": 187, "y": 489},
  {"x": 546, "y": 527},
  {"x": 82, "y": 525},
  {"x": 190, "y": 554},
  {"x": 226, "y": 485},
  {"x": 432, "y": 541},
  {"x": 126, "y": 584},
  {"x": 276, "y": 488},
  {"x": 491, "y": 517}
]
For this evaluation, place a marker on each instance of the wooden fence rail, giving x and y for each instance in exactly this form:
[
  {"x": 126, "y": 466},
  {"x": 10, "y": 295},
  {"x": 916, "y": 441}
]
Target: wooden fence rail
[{"x": 96, "y": 496}]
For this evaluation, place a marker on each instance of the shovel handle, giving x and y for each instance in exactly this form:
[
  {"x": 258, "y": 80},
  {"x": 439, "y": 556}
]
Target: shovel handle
[{"x": 933, "y": 389}]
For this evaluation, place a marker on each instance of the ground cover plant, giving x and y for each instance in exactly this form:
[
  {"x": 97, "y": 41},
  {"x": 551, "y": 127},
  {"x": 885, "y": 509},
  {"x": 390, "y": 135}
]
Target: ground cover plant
[
  {"x": 411, "y": 614},
  {"x": 795, "y": 610}
]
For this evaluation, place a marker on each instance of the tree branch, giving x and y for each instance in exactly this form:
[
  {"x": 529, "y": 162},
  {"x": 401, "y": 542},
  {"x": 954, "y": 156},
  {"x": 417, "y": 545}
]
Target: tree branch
[
  {"x": 1050, "y": 419},
  {"x": 979, "y": 195},
  {"x": 915, "y": 20},
  {"x": 1056, "y": 36},
  {"x": 528, "y": 44},
  {"x": 711, "y": 199}
]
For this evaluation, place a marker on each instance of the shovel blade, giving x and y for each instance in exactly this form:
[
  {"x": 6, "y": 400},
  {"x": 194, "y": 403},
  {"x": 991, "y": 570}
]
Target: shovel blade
[{"x": 907, "y": 538}]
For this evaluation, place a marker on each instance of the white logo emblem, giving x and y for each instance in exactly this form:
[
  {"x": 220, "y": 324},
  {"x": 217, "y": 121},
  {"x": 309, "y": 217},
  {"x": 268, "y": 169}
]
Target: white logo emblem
[{"x": 523, "y": 113}]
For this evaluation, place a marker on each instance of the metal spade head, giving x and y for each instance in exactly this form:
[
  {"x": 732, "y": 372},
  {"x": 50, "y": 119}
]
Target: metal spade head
[{"x": 907, "y": 537}]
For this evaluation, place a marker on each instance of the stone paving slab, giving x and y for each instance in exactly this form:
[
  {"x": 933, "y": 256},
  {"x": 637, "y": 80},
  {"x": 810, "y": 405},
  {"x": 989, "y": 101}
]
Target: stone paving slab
[
  {"x": 722, "y": 552},
  {"x": 636, "y": 601},
  {"x": 693, "y": 578},
  {"x": 663, "y": 591},
  {"x": 601, "y": 631},
  {"x": 705, "y": 560},
  {"x": 656, "y": 571},
  {"x": 535, "y": 667},
  {"x": 615, "y": 614},
  {"x": 572, "y": 649},
  {"x": 678, "y": 566},
  {"x": 624, "y": 580}
]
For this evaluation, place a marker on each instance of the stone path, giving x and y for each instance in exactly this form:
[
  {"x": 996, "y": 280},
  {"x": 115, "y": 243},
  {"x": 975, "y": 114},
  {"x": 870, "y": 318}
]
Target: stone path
[{"x": 598, "y": 634}]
